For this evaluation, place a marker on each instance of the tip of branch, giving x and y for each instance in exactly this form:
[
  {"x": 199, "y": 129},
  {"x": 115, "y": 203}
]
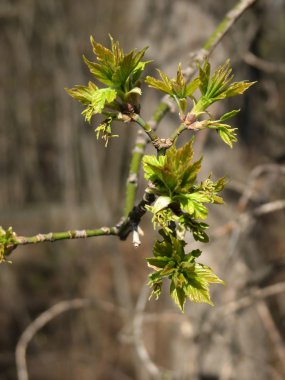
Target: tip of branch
[{"x": 136, "y": 238}]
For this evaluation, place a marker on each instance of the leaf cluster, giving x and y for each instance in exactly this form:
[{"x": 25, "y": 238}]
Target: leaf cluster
[
  {"x": 121, "y": 73},
  {"x": 180, "y": 199},
  {"x": 188, "y": 279},
  {"x": 181, "y": 203},
  {"x": 115, "y": 68},
  {"x": 212, "y": 88},
  {"x": 180, "y": 206},
  {"x": 177, "y": 88},
  {"x": 218, "y": 86},
  {"x": 7, "y": 243}
]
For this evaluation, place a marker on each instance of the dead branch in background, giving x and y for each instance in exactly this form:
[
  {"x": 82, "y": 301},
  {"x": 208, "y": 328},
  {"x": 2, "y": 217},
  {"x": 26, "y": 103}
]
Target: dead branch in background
[
  {"x": 263, "y": 65},
  {"x": 47, "y": 316}
]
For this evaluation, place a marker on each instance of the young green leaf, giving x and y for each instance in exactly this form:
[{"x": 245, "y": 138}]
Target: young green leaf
[
  {"x": 114, "y": 68},
  {"x": 175, "y": 173},
  {"x": 229, "y": 115},
  {"x": 163, "y": 85},
  {"x": 192, "y": 87},
  {"x": 204, "y": 272},
  {"x": 8, "y": 243},
  {"x": 93, "y": 97},
  {"x": 178, "y": 295},
  {"x": 228, "y": 135},
  {"x": 204, "y": 76},
  {"x": 188, "y": 279},
  {"x": 82, "y": 93},
  {"x": 102, "y": 72},
  {"x": 161, "y": 203},
  {"x": 176, "y": 88},
  {"x": 197, "y": 228},
  {"x": 157, "y": 262},
  {"x": 218, "y": 86}
]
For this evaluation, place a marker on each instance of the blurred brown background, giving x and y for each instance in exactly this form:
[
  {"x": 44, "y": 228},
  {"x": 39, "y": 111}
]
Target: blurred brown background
[{"x": 54, "y": 175}]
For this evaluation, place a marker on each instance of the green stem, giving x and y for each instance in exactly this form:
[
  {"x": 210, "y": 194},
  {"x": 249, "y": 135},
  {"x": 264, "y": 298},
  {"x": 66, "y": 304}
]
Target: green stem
[
  {"x": 132, "y": 181},
  {"x": 146, "y": 127},
  {"x": 137, "y": 155},
  {"x": 230, "y": 18},
  {"x": 178, "y": 132},
  {"x": 159, "y": 114},
  {"x": 224, "y": 26},
  {"x": 72, "y": 234}
]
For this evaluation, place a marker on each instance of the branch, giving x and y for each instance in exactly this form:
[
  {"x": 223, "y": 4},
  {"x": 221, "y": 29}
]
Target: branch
[
  {"x": 72, "y": 234},
  {"x": 269, "y": 207},
  {"x": 253, "y": 296},
  {"x": 137, "y": 155},
  {"x": 145, "y": 126},
  {"x": 229, "y": 20},
  {"x": 9, "y": 240},
  {"x": 263, "y": 65},
  {"x": 253, "y": 176},
  {"x": 132, "y": 181},
  {"x": 222, "y": 29},
  {"x": 44, "y": 318},
  {"x": 272, "y": 330},
  {"x": 141, "y": 349},
  {"x": 141, "y": 141},
  {"x": 131, "y": 222}
]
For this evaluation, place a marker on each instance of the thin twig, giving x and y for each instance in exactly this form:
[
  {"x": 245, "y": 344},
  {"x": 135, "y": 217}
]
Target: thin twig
[
  {"x": 269, "y": 207},
  {"x": 272, "y": 330},
  {"x": 71, "y": 234},
  {"x": 132, "y": 180},
  {"x": 263, "y": 65},
  {"x": 145, "y": 126},
  {"x": 142, "y": 352},
  {"x": 43, "y": 319},
  {"x": 254, "y": 295},
  {"x": 235, "y": 227},
  {"x": 225, "y": 25},
  {"x": 253, "y": 176},
  {"x": 229, "y": 20},
  {"x": 137, "y": 155},
  {"x": 38, "y": 324},
  {"x": 8, "y": 248}
]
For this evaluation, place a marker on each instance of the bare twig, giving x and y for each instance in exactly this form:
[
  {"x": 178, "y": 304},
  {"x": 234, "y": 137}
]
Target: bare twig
[
  {"x": 263, "y": 65},
  {"x": 272, "y": 330},
  {"x": 254, "y": 295},
  {"x": 47, "y": 316},
  {"x": 269, "y": 207},
  {"x": 245, "y": 217},
  {"x": 38, "y": 324},
  {"x": 227, "y": 23},
  {"x": 253, "y": 176},
  {"x": 229, "y": 20},
  {"x": 142, "y": 352}
]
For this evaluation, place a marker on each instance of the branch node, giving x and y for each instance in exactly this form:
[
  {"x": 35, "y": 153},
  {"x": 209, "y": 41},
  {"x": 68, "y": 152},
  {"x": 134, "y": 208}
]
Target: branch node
[
  {"x": 162, "y": 143},
  {"x": 133, "y": 178}
]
